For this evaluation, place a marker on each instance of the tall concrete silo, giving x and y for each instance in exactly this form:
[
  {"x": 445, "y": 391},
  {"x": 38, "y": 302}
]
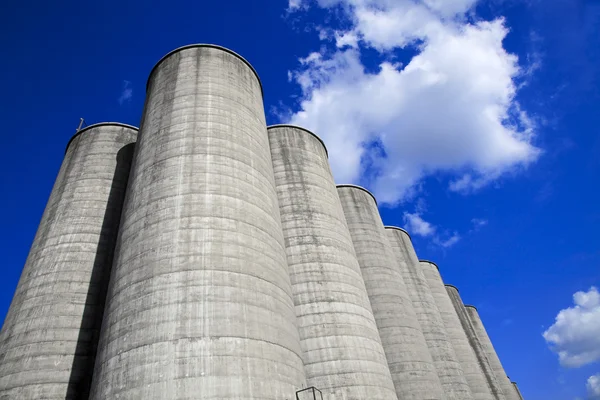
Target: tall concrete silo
[
  {"x": 48, "y": 341},
  {"x": 200, "y": 302},
  {"x": 490, "y": 352},
  {"x": 456, "y": 334},
  {"x": 343, "y": 354},
  {"x": 517, "y": 391},
  {"x": 410, "y": 363},
  {"x": 447, "y": 366},
  {"x": 475, "y": 343}
]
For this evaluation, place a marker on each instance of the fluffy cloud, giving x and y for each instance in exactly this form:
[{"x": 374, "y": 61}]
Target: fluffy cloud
[
  {"x": 415, "y": 224},
  {"x": 593, "y": 387},
  {"x": 575, "y": 335},
  {"x": 126, "y": 94},
  {"x": 450, "y": 109}
]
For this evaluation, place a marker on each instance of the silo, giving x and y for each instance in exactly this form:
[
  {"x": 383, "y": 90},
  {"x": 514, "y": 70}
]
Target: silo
[
  {"x": 475, "y": 343},
  {"x": 458, "y": 338},
  {"x": 517, "y": 391},
  {"x": 490, "y": 352},
  {"x": 408, "y": 357},
  {"x": 48, "y": 341},
  {"x": 447, "y": 366},
  {"x": 200, "y": 303},
  {"x": 343, "y": 354}
]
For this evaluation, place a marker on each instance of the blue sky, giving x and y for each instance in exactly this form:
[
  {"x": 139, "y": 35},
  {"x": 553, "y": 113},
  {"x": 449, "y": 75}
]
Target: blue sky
[{"x": 476, "y": 124}]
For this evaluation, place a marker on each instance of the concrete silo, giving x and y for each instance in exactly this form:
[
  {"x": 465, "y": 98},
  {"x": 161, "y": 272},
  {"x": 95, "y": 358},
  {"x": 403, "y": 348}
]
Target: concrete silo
[
  {"x": 49, "y": 337},
  {"x": 475, "y": 343},
  {"x": 199, "y": 304},
  {"x": 410, "y": 363},
  {"x": 517, "y": 391},
  {"x": 447, "y": 366},
  {"x": 343, "y": 355},
  {"x": 490, "y": 352},
  {"x": 458, "y": 338}
]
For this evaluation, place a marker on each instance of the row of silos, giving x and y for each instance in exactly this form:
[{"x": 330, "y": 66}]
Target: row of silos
[{"x": 240, "y": 270}]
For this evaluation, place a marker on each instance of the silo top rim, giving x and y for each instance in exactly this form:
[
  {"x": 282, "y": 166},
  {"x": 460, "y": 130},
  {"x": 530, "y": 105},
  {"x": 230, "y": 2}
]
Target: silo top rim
[
  {"x": 359, "y": 188},
  {"x": 302, "y": 129},
  {"x": 212, "y": 46},
  {"x": 96, "y": 126},
  {"x": 430, "y": 262},
  {"x": 452, "y": 286},
  {"x": 398, "y": 229},
  {"x": 470, "y": 306}
]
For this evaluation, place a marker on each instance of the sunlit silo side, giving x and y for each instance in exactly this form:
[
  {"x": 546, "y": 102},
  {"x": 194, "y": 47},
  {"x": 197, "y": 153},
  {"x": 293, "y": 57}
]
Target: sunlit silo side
[
  {"x": 410, "y": 363},
  {"x": 343, "y": 355},
  {"x": 448, "y": 369},
  {"x": 456, "y": 334},
  {"x": 517, "y": 391},
  {"x": 49, "y": 337},
  {"x": 475, "y": 343},
  {"x": 199, "y": 304},
  {"x": 490, "y": 352}
]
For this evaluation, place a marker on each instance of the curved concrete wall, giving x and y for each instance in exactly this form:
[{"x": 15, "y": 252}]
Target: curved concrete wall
[
  {"x": 49, "y": 337},
  {"x": 456, "y": 334},
  {"x": 343, "y": 355},
  {"x": 448, "y": 369},
  {"x": 490, "y": 352},
  {"x": 475, "y": 344},
  {"x": 200, "y": 301},
  {"x": 517, "y": 391},
  {"x": 408, "y": 357}
]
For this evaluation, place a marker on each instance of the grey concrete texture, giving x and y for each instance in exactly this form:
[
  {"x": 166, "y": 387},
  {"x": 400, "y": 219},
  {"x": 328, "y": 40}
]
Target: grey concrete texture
[
  {"x": 200, "y": 304},
  {"x": 410, "y": 363},
  {"x": 343, "y": 354},
  {"x": 48, "y": 341},
  {"x": 446, "y": 363},
  {"x": 475, "y": 344},
  {"x": 517, "y": 391},
  {"x": 490, "y": 352},
  {"x": 458, "y": 338}
]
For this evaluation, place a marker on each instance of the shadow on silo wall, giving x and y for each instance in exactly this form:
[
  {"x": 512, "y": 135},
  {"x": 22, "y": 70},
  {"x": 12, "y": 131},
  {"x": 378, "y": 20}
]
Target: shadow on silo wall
[{"x": 87, "y": 342}]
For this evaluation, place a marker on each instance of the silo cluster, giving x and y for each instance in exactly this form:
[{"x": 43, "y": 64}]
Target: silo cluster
[{"x": 208, "y": 256}]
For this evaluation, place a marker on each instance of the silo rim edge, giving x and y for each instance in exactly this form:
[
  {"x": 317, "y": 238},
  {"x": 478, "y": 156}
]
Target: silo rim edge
[
  {"x": 398, "y": 229},
  {"x": 430, "y": 262},
  {"x": 471, "y": 306},
  {"x": 208, "y": 45},
  {"x": 96, "y": 126},
  {"x": 302, "y": 129},
  {"x": 347, "y": 185},
  {"x": 452, "y": 286}
]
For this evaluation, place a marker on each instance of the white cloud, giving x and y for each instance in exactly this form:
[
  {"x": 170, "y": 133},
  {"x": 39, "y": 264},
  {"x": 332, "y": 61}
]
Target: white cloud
[
  {"x": 575, "y": 335},
  {"x": 450, "y": 109},
  {"x": 593, "y": 387},
  {"x": 417, "y": 225},
  {"x": 449, "y": 242},
  {"x": 126, "y": 94},
  {"x": 294, "y": 5},
  {"x": 479, "y": 223}
]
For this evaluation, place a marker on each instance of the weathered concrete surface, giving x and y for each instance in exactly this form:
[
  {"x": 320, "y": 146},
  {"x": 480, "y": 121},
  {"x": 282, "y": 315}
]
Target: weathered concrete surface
[
  {"x": 458, "y": 338},
  {"x": 200, "y": 303},
  {"x": 475, "y": 344},
  {"x": 447, "y": 366},
  {"x": 490, "y": 352},
  {"x": 49, "y": 337},
  {"x": 343, "y": 355},
  {"x": 517, "y": 391},
  {"x": 410, "y": 363}
]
